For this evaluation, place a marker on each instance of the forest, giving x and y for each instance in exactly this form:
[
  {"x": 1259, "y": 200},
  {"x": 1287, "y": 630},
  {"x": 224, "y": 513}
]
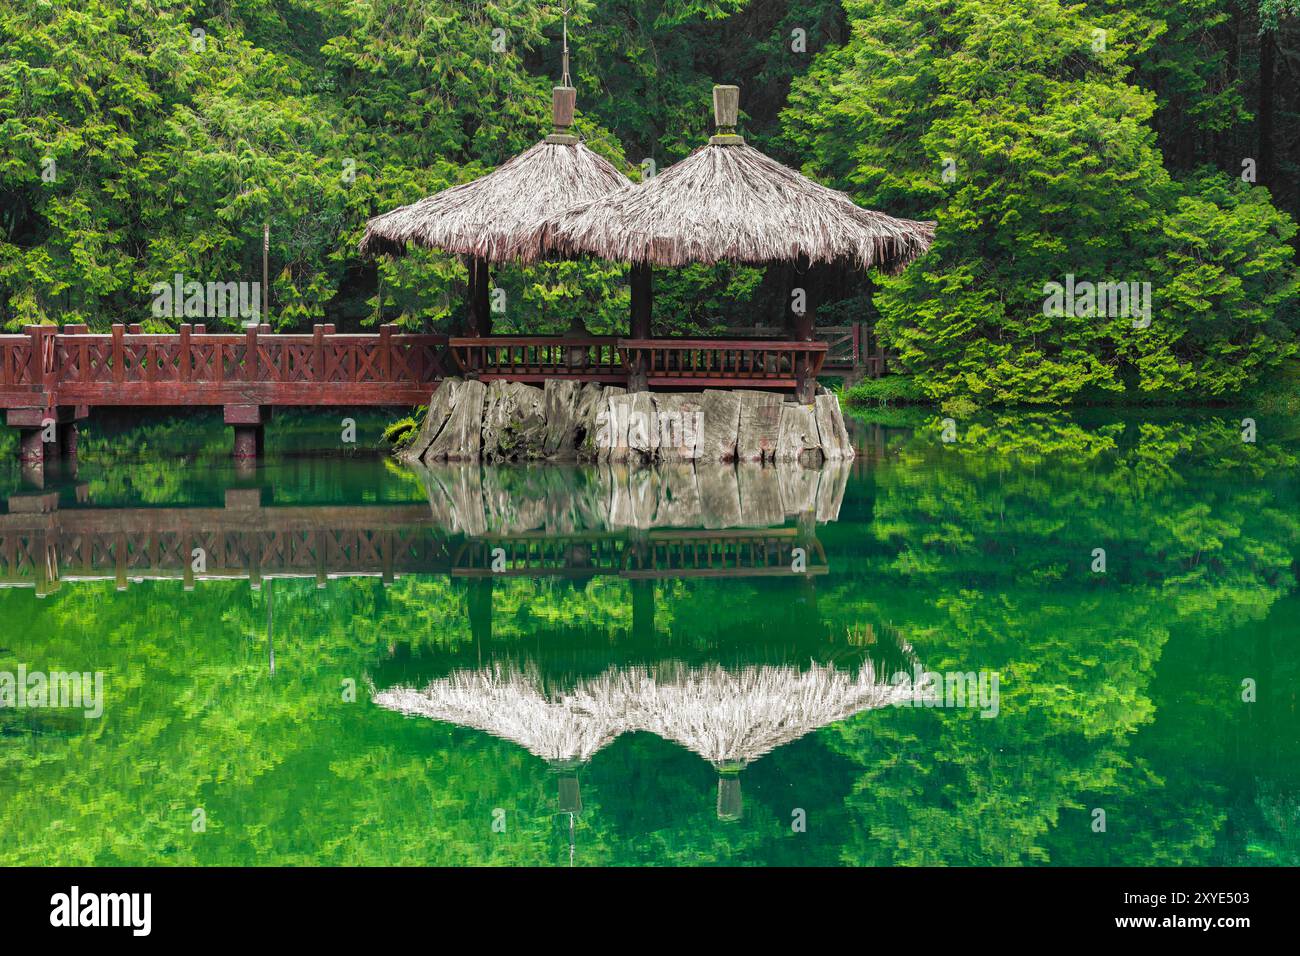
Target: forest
[{"x": 1151, "y": 144}]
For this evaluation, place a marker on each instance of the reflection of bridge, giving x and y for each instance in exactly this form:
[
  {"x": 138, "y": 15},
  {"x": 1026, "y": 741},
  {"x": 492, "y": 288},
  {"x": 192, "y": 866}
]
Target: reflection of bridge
[
  {"x": 668, "y": 553},
  {"x": 42, "y": 545}
]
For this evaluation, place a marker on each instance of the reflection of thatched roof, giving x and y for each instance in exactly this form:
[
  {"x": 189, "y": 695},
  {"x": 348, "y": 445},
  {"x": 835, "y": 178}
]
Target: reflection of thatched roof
[
  {"x": 730, "y": 202},
  {"x": 732, "y": 718},
  {"x": 507, "y": 703},
  {"x": 728, "y": 717},
  {"x": 498, "y": 215}
]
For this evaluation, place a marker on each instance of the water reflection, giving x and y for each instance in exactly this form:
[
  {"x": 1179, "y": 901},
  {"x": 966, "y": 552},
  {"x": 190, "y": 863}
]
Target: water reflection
[
  {"x": 1121, "y": 688},
  {"x": 480, "y": 521}
]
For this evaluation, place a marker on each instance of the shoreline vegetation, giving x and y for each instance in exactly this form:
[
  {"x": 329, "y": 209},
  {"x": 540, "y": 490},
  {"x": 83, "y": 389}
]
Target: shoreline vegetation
[{"x": 1279, "y": 395}]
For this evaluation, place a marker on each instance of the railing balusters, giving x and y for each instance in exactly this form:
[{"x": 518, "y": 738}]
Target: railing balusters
[
  {"x": 250, "y": 354},
  {"x": 183, "y": 357}
]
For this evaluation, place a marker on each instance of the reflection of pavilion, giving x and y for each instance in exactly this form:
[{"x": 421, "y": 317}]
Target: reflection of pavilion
[
  {"x": 730, "y": 717},
  {"x": 568, "y": 527},
  {"x": 565, "y": 729}
]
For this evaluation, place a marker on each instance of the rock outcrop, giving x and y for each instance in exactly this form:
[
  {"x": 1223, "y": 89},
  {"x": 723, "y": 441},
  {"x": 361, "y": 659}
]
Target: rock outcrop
[{"x": 565, "y": 421}]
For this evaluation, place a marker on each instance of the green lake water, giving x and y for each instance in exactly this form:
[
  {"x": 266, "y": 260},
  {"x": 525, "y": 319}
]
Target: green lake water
[{"x": 664, "y": 667}]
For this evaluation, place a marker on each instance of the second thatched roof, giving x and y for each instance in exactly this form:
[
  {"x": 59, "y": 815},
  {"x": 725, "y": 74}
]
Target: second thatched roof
[
  {"x": 729, "y": 202},
  {"x": 732, "y": 203}
]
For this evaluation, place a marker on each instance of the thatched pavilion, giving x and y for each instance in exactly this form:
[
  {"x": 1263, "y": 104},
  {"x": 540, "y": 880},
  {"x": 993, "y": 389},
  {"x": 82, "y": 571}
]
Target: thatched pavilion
[
  {"x": 729, "y": 202},
  {"x": 497, "y": 217},
  {"x": 726, "y": 202},
  {"x": 565, "y": 729}
]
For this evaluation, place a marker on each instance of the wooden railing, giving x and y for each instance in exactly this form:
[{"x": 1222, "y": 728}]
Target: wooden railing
[
  {"x": 854, "y": 347},
  {"x": 535, "y": 358},
  {"x": 46, "y": 367},
  {"x": 194, "y": 367},
  {"x": 722, "y": 362}
]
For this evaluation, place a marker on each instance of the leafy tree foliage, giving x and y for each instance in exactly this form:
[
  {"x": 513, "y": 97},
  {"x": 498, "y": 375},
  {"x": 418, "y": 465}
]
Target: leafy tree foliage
[{"x": 1018, "y": 127}]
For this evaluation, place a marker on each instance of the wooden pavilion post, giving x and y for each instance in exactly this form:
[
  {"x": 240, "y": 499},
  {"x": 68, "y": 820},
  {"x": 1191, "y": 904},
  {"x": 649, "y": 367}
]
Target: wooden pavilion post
[
  {"x": 642, "y": 288},
  {"x": 800, "y": 325},
  {"x": 480, "y": 310}
]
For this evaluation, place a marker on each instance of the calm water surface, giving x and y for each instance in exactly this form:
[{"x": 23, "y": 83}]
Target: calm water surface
[{"x": 555, "y": 666}]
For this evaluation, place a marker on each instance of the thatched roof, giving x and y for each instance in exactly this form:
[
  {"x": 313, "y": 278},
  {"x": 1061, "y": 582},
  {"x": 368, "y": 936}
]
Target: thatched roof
[
  {"x": 731, "y": 718},
  {"x": 729, "y": 202},
  {"x": 507, "y": 703},
  {"x": 499, "y": 216}
]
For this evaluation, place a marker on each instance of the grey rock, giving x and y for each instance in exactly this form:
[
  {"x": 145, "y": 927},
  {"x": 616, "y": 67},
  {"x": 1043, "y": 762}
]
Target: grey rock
[
  {"x": 797, "y": 437},
  {"x": 434, "y": 419},
  {"x": 679, "y": 421},
  {"x": 461, "y": 437},
  {"x": 612, "y": 434},
  {"x": 514, "y": 422},
  {"x": 643, "y": 428},
  {"x": 721, "y": 425},
  {"x": 561, "y": 410},
  {"x": 760, "y": 420},
  {"x": 592, "y": 411},
  {"x": 834, "y": 434}
]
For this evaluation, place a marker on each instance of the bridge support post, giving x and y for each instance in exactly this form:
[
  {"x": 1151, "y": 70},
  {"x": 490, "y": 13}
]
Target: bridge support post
[
  {"x": 250, "y": 436},
  {"x": 45, "y": 433},
  {"x": 31, "y": 446}
]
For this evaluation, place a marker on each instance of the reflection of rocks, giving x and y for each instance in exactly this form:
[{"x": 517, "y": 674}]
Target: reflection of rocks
[
  {"x": 476, "y": 500},
  {"x": 510, "y": 421}
]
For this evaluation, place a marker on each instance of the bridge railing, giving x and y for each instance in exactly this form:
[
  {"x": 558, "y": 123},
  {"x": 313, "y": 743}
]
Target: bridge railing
[
  {"x": 44, "y": 366},
  {"x": 686, "y": 362},
  {"x": 193, "y": 366},
  {"x": 535, "y": 358},
  {"x": 855, "y": 346}
]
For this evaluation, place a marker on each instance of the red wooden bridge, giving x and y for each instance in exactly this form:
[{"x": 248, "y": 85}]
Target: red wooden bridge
[{"x": 51, "y": 377}]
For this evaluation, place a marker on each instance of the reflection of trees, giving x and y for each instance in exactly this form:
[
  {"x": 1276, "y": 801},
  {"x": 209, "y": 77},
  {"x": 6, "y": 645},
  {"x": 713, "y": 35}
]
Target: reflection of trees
[
  {"x": 1119, "y": 691},
  {"x": 984, "y": 548}
]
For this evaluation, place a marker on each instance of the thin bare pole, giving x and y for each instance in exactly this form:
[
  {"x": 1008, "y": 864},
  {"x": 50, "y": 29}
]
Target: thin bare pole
[{"x": 266, "y": 251}]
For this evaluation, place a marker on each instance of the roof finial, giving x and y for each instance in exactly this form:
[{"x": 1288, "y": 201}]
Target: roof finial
[
  {"x": 726, "y": 109},
  {"x": 563, "y": 98},
  {"x": 564, "y": 73}
]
